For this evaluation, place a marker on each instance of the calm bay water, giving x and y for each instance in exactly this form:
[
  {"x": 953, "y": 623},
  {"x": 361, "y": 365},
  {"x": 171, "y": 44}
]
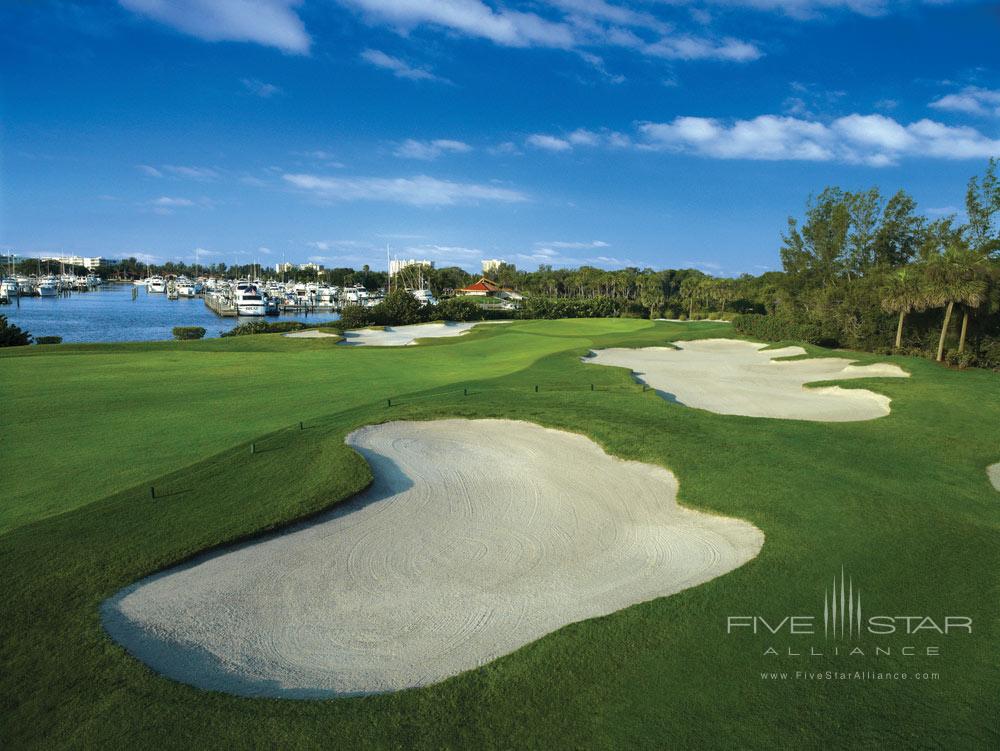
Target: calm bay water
[{"x": 111, "y": 315}]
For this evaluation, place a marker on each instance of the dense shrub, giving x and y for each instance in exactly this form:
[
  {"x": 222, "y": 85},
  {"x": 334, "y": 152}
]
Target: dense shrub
[
  {"x": 258, "y": 326},
  {"x": 567, "y": 307},
  {"x": 11, "y": 335},
  {"x": 459, "y": 309},
  {"x": 356, "y": 317},
  {"x": 48, "y": 340},
  {"x": 988, "y": 354},
  {"x": 776, "y": 328},
  {"x": 188, "y": 332},
  {"x": 399, "y": 308}
]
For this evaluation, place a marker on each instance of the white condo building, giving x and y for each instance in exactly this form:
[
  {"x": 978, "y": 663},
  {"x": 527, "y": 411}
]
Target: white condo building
[{"x": 398, "y": 264}]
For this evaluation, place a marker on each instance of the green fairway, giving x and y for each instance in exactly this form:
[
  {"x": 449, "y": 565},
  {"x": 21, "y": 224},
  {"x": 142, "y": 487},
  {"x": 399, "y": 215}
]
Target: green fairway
[
  {"x": 112, "y": 415},
  {"x": 902, "y": 504}
]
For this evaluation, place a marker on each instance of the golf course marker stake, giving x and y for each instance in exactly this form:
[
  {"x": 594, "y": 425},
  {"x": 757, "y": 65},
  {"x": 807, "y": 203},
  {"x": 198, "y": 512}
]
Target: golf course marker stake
[
  {"x": 536, "y": 388},
  {"x": 152, "y": 491},
  {"x": 300, "y": 424},
  {"x": 253, "y": 448}
]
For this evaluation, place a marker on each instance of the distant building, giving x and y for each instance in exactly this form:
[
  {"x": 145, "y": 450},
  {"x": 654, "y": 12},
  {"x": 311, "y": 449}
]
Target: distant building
[
  {"x": 91, "y": 264},
  {"x": 491, "y": 265},
  {"x": 488, "y": 288},
  {"x": 397, "y": 264},
  {"x": 284, "y": 268}
]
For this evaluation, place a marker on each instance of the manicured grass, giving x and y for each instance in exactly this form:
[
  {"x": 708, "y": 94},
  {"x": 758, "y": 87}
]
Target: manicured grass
[
  {"x": 107, "y": 416},
  {"x": 901, "y": 503}
]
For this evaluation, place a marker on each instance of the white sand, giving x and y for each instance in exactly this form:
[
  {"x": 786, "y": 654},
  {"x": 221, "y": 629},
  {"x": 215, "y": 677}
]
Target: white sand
[
  {"x": 403, "y": 336},
  {"x": 734, "y": 377},
  {"x": 476, "y": 538},
  {"x": 994, "y": 473},
  {"x": 308, "y": 334}
]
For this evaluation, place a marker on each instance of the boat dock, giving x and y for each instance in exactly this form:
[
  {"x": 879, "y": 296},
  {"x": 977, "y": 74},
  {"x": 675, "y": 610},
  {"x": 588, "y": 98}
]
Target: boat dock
[{"x": 220, "y": 305}]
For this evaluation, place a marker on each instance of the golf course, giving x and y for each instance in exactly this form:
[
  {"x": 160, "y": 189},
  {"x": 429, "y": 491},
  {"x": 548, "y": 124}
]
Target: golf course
[{"x": 199, "y": 496}]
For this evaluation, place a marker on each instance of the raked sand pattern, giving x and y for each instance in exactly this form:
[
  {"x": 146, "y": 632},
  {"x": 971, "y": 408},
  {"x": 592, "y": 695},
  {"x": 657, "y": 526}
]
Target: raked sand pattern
[
  {"x": 404, "y": 336},
  {"x": 309, "y": 334},
  {"x": 475, "y": 538},
  {"x": 735, "y": 377}
]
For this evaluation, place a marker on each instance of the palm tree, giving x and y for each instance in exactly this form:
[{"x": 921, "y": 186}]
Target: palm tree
[
  {"x": 903, "y": 295},
  {"x": 691, "y": 290},
  {"x": 956, "y": 276}
]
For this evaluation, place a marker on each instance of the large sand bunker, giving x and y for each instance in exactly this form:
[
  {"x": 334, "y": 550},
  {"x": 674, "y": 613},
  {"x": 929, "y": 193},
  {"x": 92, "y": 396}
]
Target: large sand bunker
[
  {"x": 475, "y": 538},
  {"x": 403, "y": 336},
  {"x": 994, "y": 473},
  {"x": 735, "y": 377}
]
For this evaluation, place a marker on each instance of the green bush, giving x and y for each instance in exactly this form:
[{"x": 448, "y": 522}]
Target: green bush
[
  {"x": 459, "y": 309},
  {"x": 356, "y": 317},
  {"x": 566, "y": 307},
  {"x": 11, "y": 335},
  {"x": 777, "y": 328},
  {"x": 399, "y": 308},
  {"x": 188, "y": 332},
  {"x": 48, "y": 340},
  {"x": 258, "y": 326}
]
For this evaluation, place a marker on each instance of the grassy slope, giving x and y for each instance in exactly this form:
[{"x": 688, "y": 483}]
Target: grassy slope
[
  {"x": 902, "y": 503},
  {"x": 84, "y": 421}
]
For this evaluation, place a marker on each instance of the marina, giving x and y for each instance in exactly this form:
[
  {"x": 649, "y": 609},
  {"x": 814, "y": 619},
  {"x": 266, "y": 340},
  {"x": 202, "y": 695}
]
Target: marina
[{"x": 121, "y": 312}]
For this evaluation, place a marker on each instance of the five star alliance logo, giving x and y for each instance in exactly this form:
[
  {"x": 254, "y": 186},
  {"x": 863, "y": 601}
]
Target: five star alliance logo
[
  {"x": 842, "y": 609},
  {"x": 843, "y": 621}
]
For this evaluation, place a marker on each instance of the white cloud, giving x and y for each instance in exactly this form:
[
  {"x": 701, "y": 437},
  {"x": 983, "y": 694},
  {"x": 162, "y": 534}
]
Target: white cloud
[
  {"x": 580, "y": 137},
  {"x": 469, "y": 17},
  {"x": 149, "y": 170},
  {"x": 273, "y": 23},
  {"x": 575, "y": 25},
  {"x": 875, "y": 140},
  {"x": 171, "y": 202},
  {"x": 548, "y": 143},
  {"x": 194, "y": 173},
  {"x": 564, "y": 244},
  {"x": 804, "y": 9},
  {"x": 400, "y": 68},
  {"x": 428, "y": 150},
  {"x": 419, "y": 190},
  {"x": 260, "y": 88},
  {"x": 971, "y": 100},
  {"x": 507, "y": 148},
  {"x": 699, "y": 48},
  {"x": 583, "y": 137}
]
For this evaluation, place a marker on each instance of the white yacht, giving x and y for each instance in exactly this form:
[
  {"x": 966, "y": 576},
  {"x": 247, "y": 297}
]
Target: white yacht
[
  {"x": 185, "y": 287},
  {"x": 423, "y": 296},
  {"x": 248, "y": 300},
  {"x": 48, "y": 287},
  {"x": 156, "y": 284},
  {"x": 9, "y": 288}
]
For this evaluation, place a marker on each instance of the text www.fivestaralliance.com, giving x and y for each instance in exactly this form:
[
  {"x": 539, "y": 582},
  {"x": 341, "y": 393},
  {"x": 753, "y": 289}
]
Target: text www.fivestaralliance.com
[{"x": 857, "y": 675}]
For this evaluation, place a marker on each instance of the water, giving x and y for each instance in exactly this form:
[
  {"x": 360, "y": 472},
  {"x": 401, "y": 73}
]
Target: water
[{"x": 109, "y": 314}]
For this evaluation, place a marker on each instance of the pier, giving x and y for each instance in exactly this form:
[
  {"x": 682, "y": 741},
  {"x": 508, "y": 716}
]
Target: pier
[{"x": 220, "y": 305}]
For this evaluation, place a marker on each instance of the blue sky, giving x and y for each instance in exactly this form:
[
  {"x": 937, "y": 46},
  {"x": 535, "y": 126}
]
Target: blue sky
[{"x": 658, "y": 133}]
